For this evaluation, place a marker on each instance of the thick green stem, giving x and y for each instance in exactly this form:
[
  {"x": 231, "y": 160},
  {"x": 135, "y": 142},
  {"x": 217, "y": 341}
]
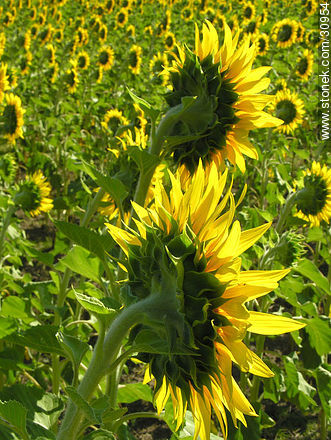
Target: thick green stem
[
  {"x": 104, "y": 354},
  {"x": 93, "y": 205},
  {"x": 5, "y": 225},
  {"x": 285, "y": 212}
]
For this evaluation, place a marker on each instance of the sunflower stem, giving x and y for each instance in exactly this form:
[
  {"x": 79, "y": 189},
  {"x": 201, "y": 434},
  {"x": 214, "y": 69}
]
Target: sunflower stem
[
  {"x": 285, "y": 212},
  {"x": 5, "y": 226},
  {"x": 63, "y": 292},
  {"x": 105, "y": 353}
]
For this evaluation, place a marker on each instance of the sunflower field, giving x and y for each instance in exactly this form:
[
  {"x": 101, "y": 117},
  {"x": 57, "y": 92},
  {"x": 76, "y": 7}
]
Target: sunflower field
[{"x": 165, "y": 200}]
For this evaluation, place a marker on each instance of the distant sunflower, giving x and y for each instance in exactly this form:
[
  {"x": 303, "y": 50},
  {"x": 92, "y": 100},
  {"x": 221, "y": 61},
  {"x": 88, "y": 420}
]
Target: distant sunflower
[
  {"x": 25, "y": 63},
  {"x": 190, "y": 260},
  {"x": 50, "y": 54},
  {"x": 54, "y": 72},
  {"x": 12, "y": 77},
  {"x": 186, "y": 13},
  {"x": 313, "y": 38},
  {"x": 169, "y": 40},
  {"x": 280, "y": 84},
  {"x": 262, "y": 44},
  {"x": 34, "y": 30},
  {"x": 113, "y": 121},
  {"x": 284, "y": 33},
  {"x": 263, "y": 16},
  {"x": 252, "y": 28},
  {"x": 158, "y": 68},
  {"x": 71, "y": 77},
  {"x": 314, "y": 200},
  {"x": 34, "y": 194},
  {"x": 131, "y": 30},
  {"x": 83, "y": 60},
  {"x": 290, "y": 109},
  {"x": 2, "y": 43},
  {"x": 4, "y": 83},
  {"x": 135, "y": 59},
  {"x": 11, "y": 120},
  {"x": 106, "y": 57},
  {"x": 248, "y": 12},
  {"x": 33, "y": 13},
  {"x": 227, "y": 94},
  {"x": 300, "y": 33},
  {"x": 310, "y": 7},
  {"x": 122, "y": 17},
  {"x": 27, "y": 40},
  {"x": 45, "y": 34},
  {"x": 109, "y": 5},
  {"x": 305, "y": 65},
  {"x": 103, "y": 32}
]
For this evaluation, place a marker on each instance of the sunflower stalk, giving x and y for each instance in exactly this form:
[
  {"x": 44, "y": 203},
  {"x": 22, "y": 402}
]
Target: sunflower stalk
[{"x": 106, "y": 351}]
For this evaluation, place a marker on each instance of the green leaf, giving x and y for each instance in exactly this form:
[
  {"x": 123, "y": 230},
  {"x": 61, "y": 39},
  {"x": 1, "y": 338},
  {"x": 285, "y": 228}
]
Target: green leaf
[
  {"x": 7, "y": 327},
  {"x": 308, "y": 269},
  {"x": 145, "y": 161},
  {"x": 144, "y": 105},
  {"x": 81, "y": 261},
  {"x": 111, "y": 185},
  {"x": 134, "y": 391},
  {"x": 100, "y": 434},
  {"x": 93, "y": 304},
  {"x": 74, "y": 347},
  {"x": 323, "y": 380},
  {"x": 41, "y": 337},
  {"x": 15, "y": 307},
  {"x": 318, "y": 329},
  {"x": 13, "y": 416},
  {"x": 49, "y": 409},
  {"x": 82, "y": 404},
  {"x": 86, "y": 238}
]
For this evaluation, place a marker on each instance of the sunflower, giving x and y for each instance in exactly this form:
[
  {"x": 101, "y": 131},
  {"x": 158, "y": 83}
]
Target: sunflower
[
  {"x": 158, "y": 68},
  {"x": 12, "y": 77},
  {"x": 103, "y": 32},
  {"x": 46, "y": 34},
  {"x": 305, "y": 65},
  {"x": 113, "y": 121},
  {"x": 81, "y": 36},
  {"x": 122, "y": 17},
  {"x": 33, "y": 194},
  {"x": 135, "y": 59},
  {"x": 186, "y": 13},
  {"x": 71, "y": 77},
  {"x": 169, "y": 40},
  {"x": 284, "y": 33},
  {"x": 313, "y": 38},
  {"x": 2, "y": 43},
  {"x": 50, "y": 54},
  {"x": 187, "y": 253},
  {"x": 252, "y": 28},
  {"x": 300, "y": 33},
  {"x": 290, "y": 109},
  {"x": 34, "y": 30},
  {"x": 314, "y": 200},
  {"x": 311, "y": 7},
  {"x": 4, "y": 83},
  {"x": 83, "y": 60},
  {"x": 226, "y": 92},
  {"x": 11, "y": 120},
  {"x": 106, "y": 57},
  {"x": 131, "y": 30},
  {"x": 263, "y": 17},
  {"x": 33, "y": 13},
  {"x": 248, "y": 12},
  {"x": 54, "y": 72},
  {"x": 280, "y": 84},
  {"x": 58, "y": 35},
  {"x": 27, "y": 40},
  {"x": 8, "y": 167},
  {"x": 25, "y": 63},
  {"x": 262, "y": 44},
  {"x": 109, "y": 5}
]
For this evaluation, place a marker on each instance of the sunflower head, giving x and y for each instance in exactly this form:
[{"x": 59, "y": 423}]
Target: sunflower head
[
  {"x": 289, "y": 108},
  {"x": 185, "y": 259},
  {"x": 135, "y": 59},
  {"x": 8, "y": 167},
  {"x": 314, "y": 199},
  {"x": 289, "y": 248},
  {"x": 83, "y": 60},
  {"x": 285, "y": 32},
  {"x": 106, "y": 57},
  {"x": 224, "y": 105},
  {"x": 71, "y": 77},
  {"x": 11, "y": 120},
  {"x": 33, "y": 194},
  {"x": 305, "y": 65}
]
